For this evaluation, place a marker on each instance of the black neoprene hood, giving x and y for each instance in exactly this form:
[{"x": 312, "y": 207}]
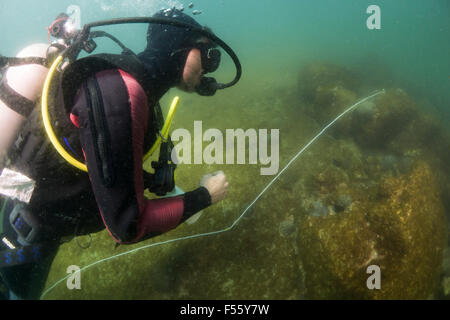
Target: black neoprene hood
[{"x": 165, "y": 54}]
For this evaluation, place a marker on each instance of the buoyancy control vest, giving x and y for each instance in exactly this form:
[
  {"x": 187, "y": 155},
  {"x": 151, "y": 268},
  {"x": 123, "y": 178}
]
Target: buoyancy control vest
[{"x": 63, "y": 199}]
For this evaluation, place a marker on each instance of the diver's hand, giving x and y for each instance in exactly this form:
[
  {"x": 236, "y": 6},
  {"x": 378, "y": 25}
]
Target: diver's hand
[{"x": 217, "y": 185}]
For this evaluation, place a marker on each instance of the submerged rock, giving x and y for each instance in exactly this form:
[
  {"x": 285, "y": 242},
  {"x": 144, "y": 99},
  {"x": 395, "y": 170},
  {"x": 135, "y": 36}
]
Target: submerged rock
[
  {"x": 327, "y": 89},
  {"x": 318, "y": 209},
  {"x": 318, "y": 76},
  {"x": 403, "y": 232},
  {"x": 343, "y": 202},
  {"x": 376, "y": 125},
  {"x": 288, "y": 228}
]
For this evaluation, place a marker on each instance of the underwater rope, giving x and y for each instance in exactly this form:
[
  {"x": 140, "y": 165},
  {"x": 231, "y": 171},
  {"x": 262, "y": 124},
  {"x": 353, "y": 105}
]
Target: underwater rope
[{"x": 239, "y": 218}]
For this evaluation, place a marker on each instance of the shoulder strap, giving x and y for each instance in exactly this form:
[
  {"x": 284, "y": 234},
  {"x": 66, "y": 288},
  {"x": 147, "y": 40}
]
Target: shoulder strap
[
  {"x": 6, "y": 62},
  {"x": 14, "y": 100}
]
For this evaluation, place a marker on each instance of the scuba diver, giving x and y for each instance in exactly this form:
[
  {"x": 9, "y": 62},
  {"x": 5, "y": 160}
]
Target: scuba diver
[{"x": 105, "y": 112}]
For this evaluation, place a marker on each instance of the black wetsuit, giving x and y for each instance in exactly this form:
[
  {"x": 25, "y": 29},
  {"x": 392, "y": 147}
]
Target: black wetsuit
[{"x": 111, "y": 105}]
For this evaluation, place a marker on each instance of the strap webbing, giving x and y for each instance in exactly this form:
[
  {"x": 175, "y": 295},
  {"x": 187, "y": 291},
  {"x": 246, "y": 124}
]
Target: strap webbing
[{"x": 12, "y": 61}]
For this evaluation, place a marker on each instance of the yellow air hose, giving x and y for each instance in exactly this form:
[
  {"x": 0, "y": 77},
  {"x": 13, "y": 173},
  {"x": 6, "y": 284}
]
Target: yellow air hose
[
  {"x": 47, "y": 124},
  {"x": 166, "y": 128},
  {"x": 60, "y": 149}
]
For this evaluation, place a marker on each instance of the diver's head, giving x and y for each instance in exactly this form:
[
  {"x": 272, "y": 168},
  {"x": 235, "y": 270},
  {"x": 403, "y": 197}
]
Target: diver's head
[{"x": 180, "y": 55}]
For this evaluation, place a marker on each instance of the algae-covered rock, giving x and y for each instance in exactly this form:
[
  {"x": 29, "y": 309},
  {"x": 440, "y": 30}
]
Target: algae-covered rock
[
  {"x": 399, "y": 226},
  {"x": 376, "y": 123},
  {"x": 422, "y": 133},
  {"x": 330, "y": 102},
  {"x": 327, "y": 89},
  {"x": 318, "y": 75},
  {"x": 349, "y": 208},
  {"x": 426, "y": 138}
]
